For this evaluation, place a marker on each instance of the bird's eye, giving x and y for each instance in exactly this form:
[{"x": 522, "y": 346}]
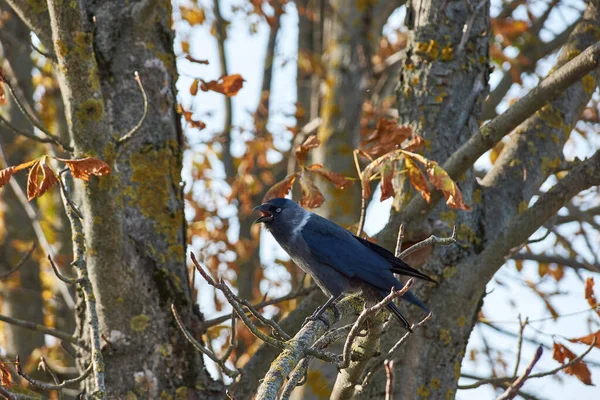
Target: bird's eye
[{"x": 278, "y": 210}]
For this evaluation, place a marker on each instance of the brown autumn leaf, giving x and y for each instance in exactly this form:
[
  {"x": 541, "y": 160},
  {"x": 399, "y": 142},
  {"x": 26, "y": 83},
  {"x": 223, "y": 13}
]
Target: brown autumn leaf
[
  {"x": 417, "y": 178},
  {"x": 509, "y": 28},
  {"x": 33, "y": 181},
  {"x": 280, "y": 189},
  {"x": 387, "y": 188},
  {"x": 311, "y": 195},
  {"x": 194, "y": 87},
  {"x": 229, "y": 85},
  {"x": 48, "y": 179},
  {"x": 386, "y": 137},
  {"x": 589, "y": 294},
  {"x": 338, "y": 180},
  {"x": 2, "y": 95},
  {"x": 588, "y": 339},
  {"x": 5, "y": 377},
  {"x": 5, "y": 175},
  {"x": 195, "y": 60},
  {"x": 190, "y": 120},
  {"x": 302, "y": 151},
  {"x": 86, "y": 167},
  {"x": 579, "y": 369},
  {"x": 442, "y": 181},
  {"x": 415, "y": 143}
]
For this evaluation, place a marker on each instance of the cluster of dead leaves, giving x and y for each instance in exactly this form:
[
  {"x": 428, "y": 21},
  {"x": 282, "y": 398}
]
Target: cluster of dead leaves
[
  {"x": 384, "y": 140},
  {"x": 41, "y": 177},
  {"x": 229, "y": 85},
  {"x": 311, "y": 195}
]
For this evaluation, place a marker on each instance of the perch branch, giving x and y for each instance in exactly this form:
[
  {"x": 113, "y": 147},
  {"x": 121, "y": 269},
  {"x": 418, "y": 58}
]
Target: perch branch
[{"x": 431, "y": 240}]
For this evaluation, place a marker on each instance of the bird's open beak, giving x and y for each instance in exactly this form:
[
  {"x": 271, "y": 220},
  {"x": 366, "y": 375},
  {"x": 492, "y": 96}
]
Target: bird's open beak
[{"x": 265, "y": 214}]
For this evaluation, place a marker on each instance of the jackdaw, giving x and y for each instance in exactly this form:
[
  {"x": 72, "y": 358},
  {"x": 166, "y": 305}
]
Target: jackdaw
[{"x": 339, "y": 262}]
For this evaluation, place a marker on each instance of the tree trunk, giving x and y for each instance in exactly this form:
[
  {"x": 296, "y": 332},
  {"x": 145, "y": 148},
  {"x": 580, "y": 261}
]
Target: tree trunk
[{"x": 133, "y": 217}]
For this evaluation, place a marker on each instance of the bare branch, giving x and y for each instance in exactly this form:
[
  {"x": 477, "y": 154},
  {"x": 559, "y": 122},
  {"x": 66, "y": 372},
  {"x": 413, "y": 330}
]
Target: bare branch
[
  {"x": 366, "y": 314},
  {"x": 137, "y": 127},
  {"x": 389, "y": 383},
  {"x": 430, "y": 241},
  {"x": 513, "y": 389},
  {"x": 297, "y": 378},
  {"x": 40, "y": 328},
  {"x": 60, "y": 276},
  {"x": 232, "y": 373},
  {"x": 18, "y": 265},
  {"x": 24, "y": 133},
  {"x": 522, "y": 326},
  {"x": 50, "y": 386},
  {"x": 556, "y": 259}
]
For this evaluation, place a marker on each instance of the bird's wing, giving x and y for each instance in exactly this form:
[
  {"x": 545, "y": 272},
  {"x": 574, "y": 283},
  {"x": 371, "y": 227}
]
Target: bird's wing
[
  {"x": 398, "y": 266},
  {"x": 333, "y": 245}
]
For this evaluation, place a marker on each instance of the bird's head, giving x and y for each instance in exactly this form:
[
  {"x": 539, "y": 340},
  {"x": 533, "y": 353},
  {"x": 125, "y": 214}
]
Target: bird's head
[{"x": 279, "y": 211}]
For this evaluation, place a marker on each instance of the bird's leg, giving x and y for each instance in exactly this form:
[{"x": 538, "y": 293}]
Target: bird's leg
[{"x": 318, "y": 314}]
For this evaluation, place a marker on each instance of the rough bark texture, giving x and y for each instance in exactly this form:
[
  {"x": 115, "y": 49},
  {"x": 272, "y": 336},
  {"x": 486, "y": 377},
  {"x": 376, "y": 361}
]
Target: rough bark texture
[
  {"x": 22, "y": 292},
  {"x": 134, "y": 223},
  {"x": 498, "y": 223}
]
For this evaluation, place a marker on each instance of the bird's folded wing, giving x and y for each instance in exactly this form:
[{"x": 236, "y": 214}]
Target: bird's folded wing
[
  {"x": 333, "y": 245},
  {"x": 398, "y": 266}
]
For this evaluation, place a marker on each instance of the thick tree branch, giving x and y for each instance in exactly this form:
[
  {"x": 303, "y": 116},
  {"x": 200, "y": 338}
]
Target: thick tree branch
[{"x": 35, "y": 16}]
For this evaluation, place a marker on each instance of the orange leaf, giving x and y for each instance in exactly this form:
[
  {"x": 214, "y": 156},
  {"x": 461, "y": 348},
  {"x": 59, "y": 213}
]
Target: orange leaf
[
  {"x": 33, "y": 181},
  {"x": 194, "y": 87},
  {"x": 302, "y": 151},
  {"x": 442, "y": 181},
  {"x": 5, "y": 175},
  {"x": 280, "y": 189},
  {"x": 589, "y": 339},
  {"x": 415, "y": 143},
  {"x": 386, "y": 137},
  {"x": 48, "y": 179},
  {"x": 195, "y": 60},
  {"x": 5, "y": 377},
  {"x": 86, "y": 167},
  {"x": 589, "y": 293},
  {"x": 338, "y": 180},
  {"x": 417, "y": 178},
  {"x": 228, "y": 85},
  {"x": 387, "y": 188},
  {"x": 193, "y": 123},
  {"x": 579, "y": 369},
  {"x": 311, "y": 195}
]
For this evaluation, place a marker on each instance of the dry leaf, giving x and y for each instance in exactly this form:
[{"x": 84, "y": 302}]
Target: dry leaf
[
  {"x": 589, "y": 339},
  {"x": 229, "y": 85},
  {"x": 417, "y": 178},
  {"x": 442, "y": 181},
  {"x": 280, "y": 189},
  {"x": 33, "y": 181},
  {"x": 579, "y": 369},
  {"x": 192, "y": 122},
  {"x": 387, "y": 188},
  {"x": 338, "y": 180},
  {"x": 86, "y": 167},
  {"x": 48, "y": 179},
  {"x": 386, "y": 137},
  {"x": 589, "y": 294},
  {"x": 5, "y": 175},
  {"x": 311, "y": 195},
  {"x": 415, "y": 143},
  {"x": 302, "y": 150},
  {"x": 194, "y": 87},
  {"x": 5, "y": 377},
  {"x": 195, "y": 60},
  {"x": 193, "y": 15}
]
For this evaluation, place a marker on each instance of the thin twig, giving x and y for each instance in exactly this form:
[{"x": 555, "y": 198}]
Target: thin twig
[
  {"x": 80, "y": 264},
  {"x": 40, "y": 328},
  {"x": 513, "y": 389},
  {"x": 24, "y": 133},
  {"x": 33, "y": 119},
  {"x": 495, "y": 381},
  {"x": 468, "y": 26},
  {"x": 399, "y": 239},
  {"x": 229, "y": 372},
  {"x": 522, "y": 326},
  {"x": 389, "y": 383},
  {"x": 276, "y": 329},
  {"x": 367, "y": 313},
  {"x": 60, "y": 276},
  {"x": 363, "y": 200},
  {"x": 378, "y": 363},
  {"x": 19, "y": 264},
  {"x": 50, "y": 386},
  {"x": 44, "y": 365},
  {"x": 431, "y": 240},
  {"x": 137, "y": 127}
]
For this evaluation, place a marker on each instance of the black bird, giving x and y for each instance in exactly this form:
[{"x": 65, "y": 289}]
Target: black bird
[{"x": 339, "y": 262}]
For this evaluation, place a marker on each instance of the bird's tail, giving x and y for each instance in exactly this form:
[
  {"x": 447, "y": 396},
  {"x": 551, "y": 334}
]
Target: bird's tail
[{"x": 396, "y": 313}]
